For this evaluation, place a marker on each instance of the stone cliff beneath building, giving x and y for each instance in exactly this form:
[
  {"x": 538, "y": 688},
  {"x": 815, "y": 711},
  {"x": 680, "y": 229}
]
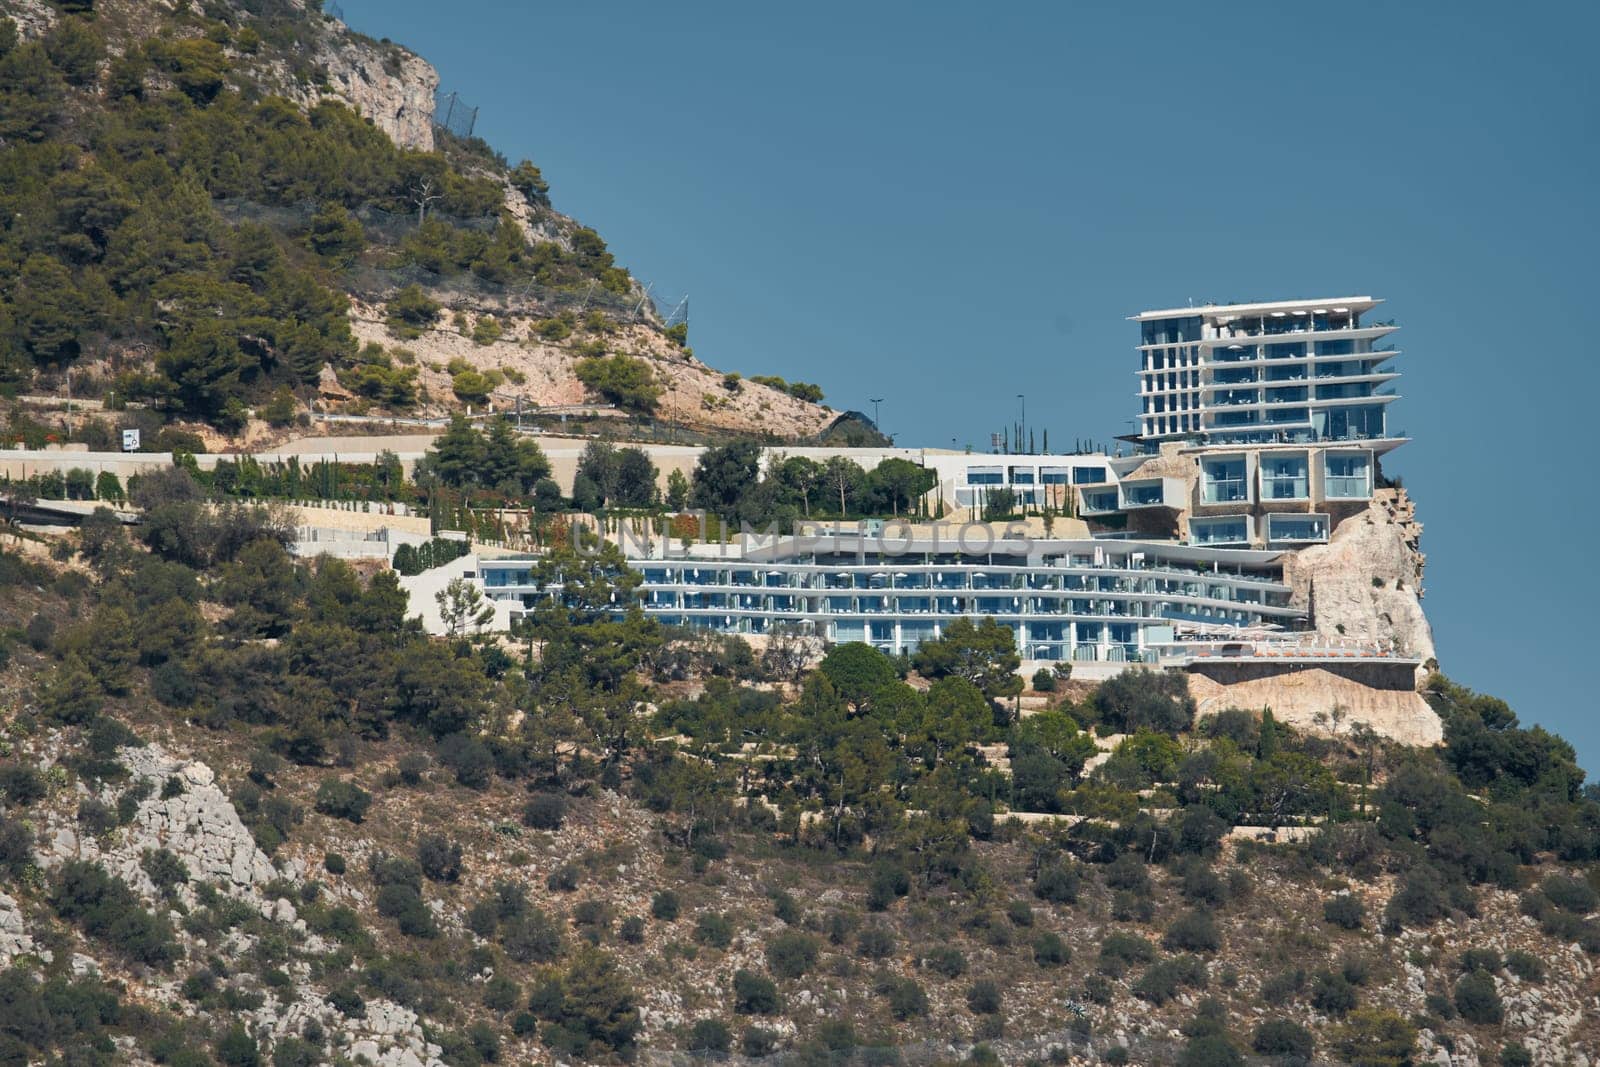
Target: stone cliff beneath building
[{"x": 1366, "y": 582}]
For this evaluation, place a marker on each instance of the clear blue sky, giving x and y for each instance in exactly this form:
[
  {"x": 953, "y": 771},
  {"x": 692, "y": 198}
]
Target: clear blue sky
[{"x": 945, "y": 206}]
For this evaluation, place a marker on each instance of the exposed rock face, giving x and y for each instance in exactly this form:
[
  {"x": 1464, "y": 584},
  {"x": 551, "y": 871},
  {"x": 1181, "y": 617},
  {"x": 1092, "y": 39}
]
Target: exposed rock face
[
  {"x": 388, "y": 84},
  {"x": 199, "y": 825},
  {"x": 392, "y": 87},
  {"x": 14, "y": 938},
  {"x": 33, "y": 17},
  {"x": 1366, "y": 582},
  {"x": 1320, "y": 701}
]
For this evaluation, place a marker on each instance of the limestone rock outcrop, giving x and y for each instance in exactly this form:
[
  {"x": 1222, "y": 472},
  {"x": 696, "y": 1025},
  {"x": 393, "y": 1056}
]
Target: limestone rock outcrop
[
  {"x": 1366, "y": 582},
  {"x": 191, "y": 817},
  {"x": 389, "y": 85},
  {"x": 1319, "y": 701}
]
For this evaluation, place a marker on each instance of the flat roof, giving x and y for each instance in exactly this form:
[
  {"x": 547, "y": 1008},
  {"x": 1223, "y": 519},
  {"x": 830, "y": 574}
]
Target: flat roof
[{"x": 1360, "y": 303}]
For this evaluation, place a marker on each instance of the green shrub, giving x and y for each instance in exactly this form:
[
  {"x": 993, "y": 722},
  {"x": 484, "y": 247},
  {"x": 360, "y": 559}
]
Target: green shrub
[
  {"x": 104, "y": 908},
  {"x": 1332, "y": 993},
  {"x": 875, "y": 943},
  {"x": 236, "y": 1048},
  {"x": 1420, "y": 900},
  {"x": 791, "y": 954},
  {"x": 1570, "y": 894},
  {"x": 530, "y": 936},
  {"x": 1283, "y": 1037},
  {"x": 888, "y": 881},
  {"x": 1480, "y": 959},
  {"x": 564, "y": 878},
  {"x": 945, "y": 960},
  {"x": 1049, "y": 950},
  {"x": 164, "y": 869},
  {"x": 664, "y": 906},
  {"x": 333, "y": 863},
  {"x": 1525, "y": 965},
  {"x": 546, "y": 811},
  {"x": 404, "y": 904},
  {"x": 906, "y": 998},
  {"x": 622, "y": 380},
  {"x": 1515, "y": 1054},
  {"x": 1476, "y": 999},
  {"x": 983, "y": 997},
  {"x": 1344, "y": 910},
  {"x": 343, "y": 799},
  {"x": 713, "y": 928},
  {"x": 501, "y": 994},
  {"x": 758, "y": 1041},
  {"x": 710, "y": 1035},
  {"x": 1193, "y": 931},
  {"x": 1057, "y": 882},
  {"x": 439, "y": 858},
  {"x": 1210, "y": 1050},
  {"x": 754, "y": 994},
  {"x": 1128, "y": 948}
]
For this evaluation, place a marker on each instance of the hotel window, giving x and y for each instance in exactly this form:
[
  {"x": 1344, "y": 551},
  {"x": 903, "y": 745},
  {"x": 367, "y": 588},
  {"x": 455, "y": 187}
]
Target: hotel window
[
  {"x": 1284, "y": 478},
  {"x": 1232, "y": 530},
  {"x": 1348, "y": 476},
  {"x": 1223, "y": 481},
  {"x": 985, "y": 476},
  {"x": 1282, "y": 528},
  {"x": 1088, "y": 475}
]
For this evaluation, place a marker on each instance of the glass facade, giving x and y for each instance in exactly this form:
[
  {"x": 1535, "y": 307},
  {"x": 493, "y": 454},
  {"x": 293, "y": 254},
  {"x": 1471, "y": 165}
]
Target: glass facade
[
  {"x": 1348, "y": 476},
  {"x": 1223, "y": 481},
  {"x": 1226, "y": 530},
  {"x": 1170, "y": 331},
  {"x": 1284, "y": 478},
  {"x": 1083, "y": 600},
  {"x": 1297, "y": 528}
]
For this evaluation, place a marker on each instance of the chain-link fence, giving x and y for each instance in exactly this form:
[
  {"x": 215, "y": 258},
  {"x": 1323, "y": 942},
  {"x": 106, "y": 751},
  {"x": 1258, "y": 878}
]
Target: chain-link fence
[{"x": 452, "y": 113}]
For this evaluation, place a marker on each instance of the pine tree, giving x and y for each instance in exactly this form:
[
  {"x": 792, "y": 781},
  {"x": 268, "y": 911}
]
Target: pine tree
[{"x": 72, "y": 697}]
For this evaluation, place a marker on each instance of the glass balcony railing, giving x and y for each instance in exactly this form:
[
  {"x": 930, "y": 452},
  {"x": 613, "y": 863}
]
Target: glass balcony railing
[
  {"x": 1347, "y": 488},
  {"x": 1225, "y": 491},
  {"x": 1286, "y": 488}
]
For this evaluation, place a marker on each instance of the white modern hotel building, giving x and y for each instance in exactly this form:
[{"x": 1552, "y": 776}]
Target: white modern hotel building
[{"x": 1262, "y": 426}]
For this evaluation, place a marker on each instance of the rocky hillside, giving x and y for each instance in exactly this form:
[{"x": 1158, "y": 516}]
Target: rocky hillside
[
  {"x": 272, "y": 821},
  {"x": 241, "y": 211}
]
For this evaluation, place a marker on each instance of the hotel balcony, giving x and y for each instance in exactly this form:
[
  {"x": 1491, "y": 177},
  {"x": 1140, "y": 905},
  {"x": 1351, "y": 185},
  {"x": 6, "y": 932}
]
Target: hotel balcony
[
  {"x": 1222, "y": 530},
  {"x": 1098, "y": 502},
  {"x": 1297, "y": 529},
  {"x": 1152, "y": 493}
]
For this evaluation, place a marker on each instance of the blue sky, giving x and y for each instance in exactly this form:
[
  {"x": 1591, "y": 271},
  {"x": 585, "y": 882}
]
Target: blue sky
[{"x": 945, "y": 206}]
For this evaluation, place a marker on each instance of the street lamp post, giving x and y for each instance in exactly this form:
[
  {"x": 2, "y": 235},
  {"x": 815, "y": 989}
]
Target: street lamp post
[{"x": 875, "y": 401}]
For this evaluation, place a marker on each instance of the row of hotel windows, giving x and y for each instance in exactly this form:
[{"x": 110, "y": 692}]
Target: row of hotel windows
[
  {"x": 1172, "y": 358},
  {"x": 1234, "y": 352},
  {"x": 999, "y": 607},
  {"x": 1160, "y": 425},
  {"x": 1345, "y": 476},
  {"x": 1119, "y": 643},
  {"x": 1029, "y": 475},
  {"x": 1279, "y": 529}
]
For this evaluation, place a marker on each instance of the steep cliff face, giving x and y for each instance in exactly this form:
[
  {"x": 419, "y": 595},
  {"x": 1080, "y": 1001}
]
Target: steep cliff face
[
  {"x": 391, "y": 86},
  {"x": 1366, "y": 582}
]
